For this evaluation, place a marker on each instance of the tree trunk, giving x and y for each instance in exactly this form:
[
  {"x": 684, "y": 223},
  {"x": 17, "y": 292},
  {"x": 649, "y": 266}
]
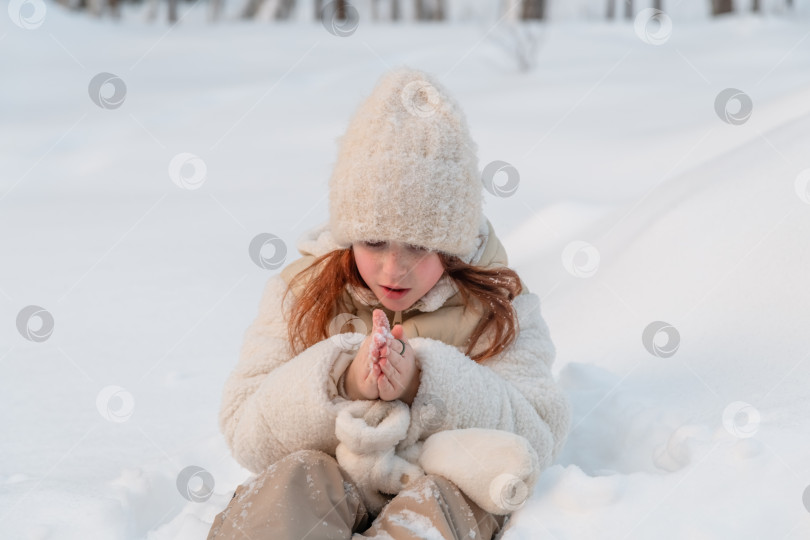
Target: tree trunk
[
  {"x": 611, "y": 9},
  {"x": 430, "y": 10},
  {"x": 628, "y": 9},
  {"x": 251, "y": 8},
  {"x": 721, "y": 6},
  {"x": 215, "y": 11},
  {"x": 172, "y": 11},
  {"x": 534, "y": 9},
  {"x": 285, "y": 9}
]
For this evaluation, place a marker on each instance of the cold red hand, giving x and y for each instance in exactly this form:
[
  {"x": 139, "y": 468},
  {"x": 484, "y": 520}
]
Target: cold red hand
[{"x": 381, "y": 368}]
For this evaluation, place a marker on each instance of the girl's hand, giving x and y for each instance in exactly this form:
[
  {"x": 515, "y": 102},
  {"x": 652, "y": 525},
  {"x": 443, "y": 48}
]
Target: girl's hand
[
  {"x": 381, "y": 369},
  {"x": 361, "y": 375},
  {"x": 400, "y": 375}
]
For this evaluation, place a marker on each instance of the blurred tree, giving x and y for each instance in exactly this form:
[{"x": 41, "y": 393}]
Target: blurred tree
[
  {"x": 430, "y": 10},
  {"x": 215, "y": 13},
  {"x": 282, "y": 9},
  {"x": 285, "y": 9},
  {"x": 94, "y": 7},
  {"x": 611, "y": 9},
  {"x": 424, "y": 10},
  {"x": 153, "y": 7},
  {"x": 340, "y": 9},
  {"x": 520, "y": 40},
  {"x": 385, "y": 10},
  {"x": 534, "y": 9},
  {"x": 251, "y": 9},
  {"x": 722, "y": 6}
]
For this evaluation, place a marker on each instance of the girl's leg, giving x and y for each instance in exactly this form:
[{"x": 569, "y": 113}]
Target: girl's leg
[
  {"x": 433, "y": 507},
  {"x": 304, "y": 495}
]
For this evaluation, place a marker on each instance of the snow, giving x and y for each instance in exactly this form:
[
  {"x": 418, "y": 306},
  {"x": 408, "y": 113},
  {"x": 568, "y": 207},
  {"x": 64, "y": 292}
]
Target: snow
[
  {"x": 417, "y": 525},
  {"x": 673, "y": 215},
  {"x": 379, "y": 334}
]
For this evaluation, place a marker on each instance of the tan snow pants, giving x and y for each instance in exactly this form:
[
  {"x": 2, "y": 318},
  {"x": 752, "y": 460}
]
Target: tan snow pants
[{"x": 308, "y": 496}]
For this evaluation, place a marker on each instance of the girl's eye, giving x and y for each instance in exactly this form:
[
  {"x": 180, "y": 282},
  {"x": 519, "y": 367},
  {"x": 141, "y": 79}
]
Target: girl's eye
[{"x": 379, "y": 244}]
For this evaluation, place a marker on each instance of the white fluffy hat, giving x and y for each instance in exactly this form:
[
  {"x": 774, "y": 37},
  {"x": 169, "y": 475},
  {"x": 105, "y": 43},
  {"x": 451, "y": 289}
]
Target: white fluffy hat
[{"x": 407, "y": 169}]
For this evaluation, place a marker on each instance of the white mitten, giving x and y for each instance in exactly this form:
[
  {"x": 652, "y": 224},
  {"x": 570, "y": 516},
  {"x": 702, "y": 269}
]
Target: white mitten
[
  {"x": 368, "y": 434},
  {"x": 496, "y": 469}
]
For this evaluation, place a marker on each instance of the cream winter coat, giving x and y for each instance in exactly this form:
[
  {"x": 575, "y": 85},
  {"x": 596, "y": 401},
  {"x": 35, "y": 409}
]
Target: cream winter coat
[{"x": 491, "y": 428}]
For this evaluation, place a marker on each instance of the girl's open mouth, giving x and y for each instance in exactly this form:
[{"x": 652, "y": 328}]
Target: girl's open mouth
[{"x": 394, "y": 293}]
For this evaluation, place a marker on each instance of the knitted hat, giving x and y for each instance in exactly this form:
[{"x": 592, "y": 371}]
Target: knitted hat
[{"x": 407, "y": 170}]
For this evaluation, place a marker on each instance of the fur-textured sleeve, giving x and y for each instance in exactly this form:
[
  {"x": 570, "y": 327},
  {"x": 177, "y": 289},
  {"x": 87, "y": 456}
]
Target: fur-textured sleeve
[
  {"x": 514, "y": 391},
  {"x": 274, "y": 404}
]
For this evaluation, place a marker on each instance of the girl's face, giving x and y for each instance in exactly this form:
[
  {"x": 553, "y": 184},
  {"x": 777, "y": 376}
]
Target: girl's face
[{"x": 393, "y": 265}]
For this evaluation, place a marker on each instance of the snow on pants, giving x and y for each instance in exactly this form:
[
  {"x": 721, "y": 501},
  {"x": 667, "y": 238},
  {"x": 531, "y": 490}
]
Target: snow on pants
[{"x": 308, "y": 496}]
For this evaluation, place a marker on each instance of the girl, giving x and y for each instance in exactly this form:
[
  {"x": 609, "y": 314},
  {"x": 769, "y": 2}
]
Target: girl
[{"x": 437, "y": 428}]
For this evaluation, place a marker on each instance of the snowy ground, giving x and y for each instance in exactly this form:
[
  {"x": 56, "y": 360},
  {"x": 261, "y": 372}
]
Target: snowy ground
[{"x": 685, "y": 219}]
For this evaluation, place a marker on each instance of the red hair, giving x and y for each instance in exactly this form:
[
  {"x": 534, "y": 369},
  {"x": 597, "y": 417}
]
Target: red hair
[{"x": 490, "y": 289}]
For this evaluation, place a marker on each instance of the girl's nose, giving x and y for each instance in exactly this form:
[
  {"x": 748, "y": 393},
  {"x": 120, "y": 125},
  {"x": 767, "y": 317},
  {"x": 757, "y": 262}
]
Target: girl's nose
[{"x": 395, "y": 263}]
